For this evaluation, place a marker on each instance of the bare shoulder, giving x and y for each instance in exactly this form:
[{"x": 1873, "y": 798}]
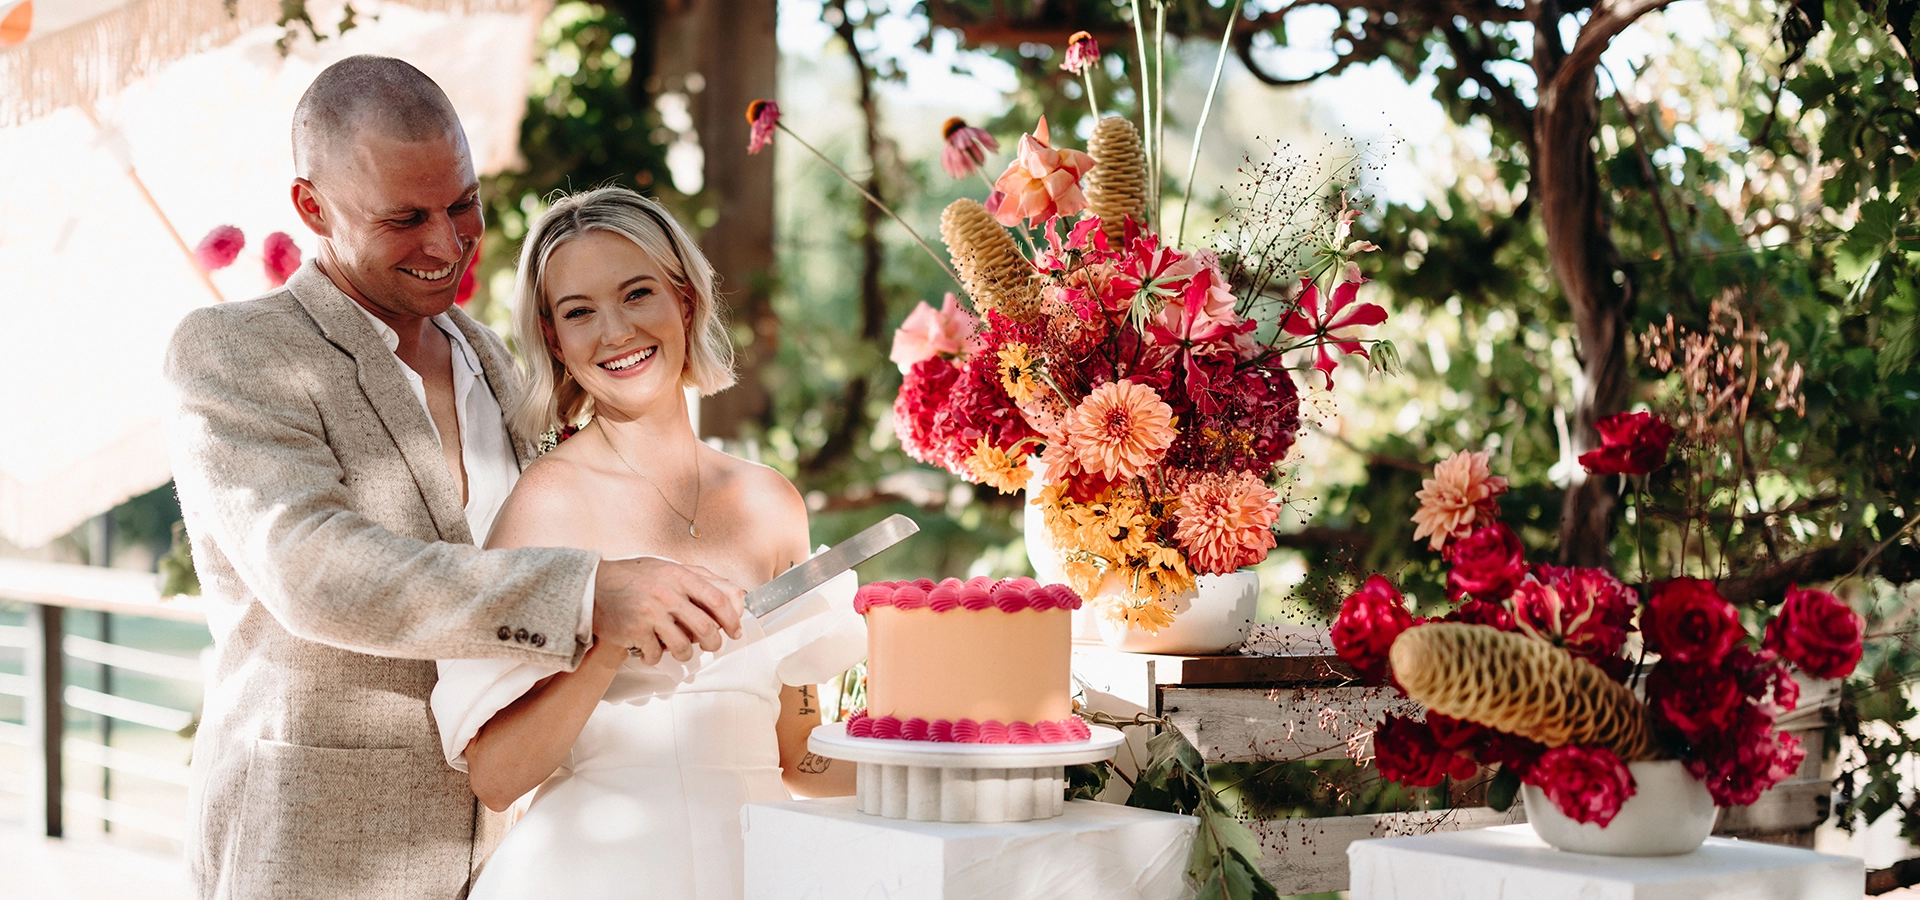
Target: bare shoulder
[
  {"x": 545, "y": 503},
  {"x": 769, "y": 505}
]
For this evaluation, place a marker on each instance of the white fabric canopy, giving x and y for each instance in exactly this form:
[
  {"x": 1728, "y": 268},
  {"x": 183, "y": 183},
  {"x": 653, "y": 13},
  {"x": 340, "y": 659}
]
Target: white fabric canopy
[{"x": 92, "y": 279}]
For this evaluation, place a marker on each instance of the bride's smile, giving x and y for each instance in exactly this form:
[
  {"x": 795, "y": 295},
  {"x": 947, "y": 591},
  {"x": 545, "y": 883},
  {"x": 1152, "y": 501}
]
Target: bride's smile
[{"x": 619, "y": 325}]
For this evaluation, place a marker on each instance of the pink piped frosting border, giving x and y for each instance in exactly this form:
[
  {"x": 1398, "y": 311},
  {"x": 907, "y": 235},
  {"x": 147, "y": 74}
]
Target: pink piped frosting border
[
  {"x": 1009, "y": 595},
  {"x": 967, "y": 731}
]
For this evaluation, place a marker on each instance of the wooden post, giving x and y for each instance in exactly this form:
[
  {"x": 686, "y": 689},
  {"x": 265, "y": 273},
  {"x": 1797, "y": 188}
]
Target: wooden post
[{"x": 46, "y": 712}]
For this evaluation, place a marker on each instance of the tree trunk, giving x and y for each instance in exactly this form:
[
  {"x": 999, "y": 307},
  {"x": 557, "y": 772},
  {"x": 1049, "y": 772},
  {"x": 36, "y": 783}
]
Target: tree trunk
[
  {"x": 1566, "y": 182},
  {"x": 737, "y": 57}
]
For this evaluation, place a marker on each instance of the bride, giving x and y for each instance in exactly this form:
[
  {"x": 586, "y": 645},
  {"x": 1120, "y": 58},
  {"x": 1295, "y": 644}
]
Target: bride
[{"x": 641, "y": 770}]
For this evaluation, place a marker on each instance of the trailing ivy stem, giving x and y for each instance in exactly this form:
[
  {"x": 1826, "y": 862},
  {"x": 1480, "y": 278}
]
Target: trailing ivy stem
[
  {"x": 876, "y": 202},
  {"x": 1200, "y": 130}
]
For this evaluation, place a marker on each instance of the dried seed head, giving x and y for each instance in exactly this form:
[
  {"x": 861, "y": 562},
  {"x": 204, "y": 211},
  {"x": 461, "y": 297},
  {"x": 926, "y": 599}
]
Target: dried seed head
[
  {"x": 991, "y": 267},
  {"x": 1117, "y": 186}
]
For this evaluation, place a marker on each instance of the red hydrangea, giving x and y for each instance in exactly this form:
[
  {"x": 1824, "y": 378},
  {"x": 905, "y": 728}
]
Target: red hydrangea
[
  {"x": 1630, "y": 444},
  {"x": 1817, "y": 632},
  {"x": 922, "y": 399},
  {"x": 1688, "y": 622},
  {"x": 1588, "y": 784},
  {"x": 219, "y": 248},
  {"x": 1369, "y": 620},
  {"x": 280, "y": 256},
  {"x": 1587, "y": 611},
  {"x": 1419, "y": 754},
  {"x": 1487, "y": 564}
]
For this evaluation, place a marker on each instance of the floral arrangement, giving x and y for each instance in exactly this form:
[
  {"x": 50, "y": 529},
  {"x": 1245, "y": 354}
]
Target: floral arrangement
[
  {"x": 1147, "y": 385},
  {"x": 1538, "y": 669}
]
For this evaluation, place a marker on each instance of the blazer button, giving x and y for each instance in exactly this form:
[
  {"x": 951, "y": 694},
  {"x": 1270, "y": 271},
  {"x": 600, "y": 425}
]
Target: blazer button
[
  {"x": 538, "y": 640},
  {"x": 505, "y": 633},
  {"x": 520, "y": 637}
]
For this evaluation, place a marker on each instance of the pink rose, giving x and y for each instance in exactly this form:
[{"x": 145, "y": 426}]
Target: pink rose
[
  {"x": 1688, "y": 621},
  {"x": 1415, "y": 754},
  {"x": 1369, "y": 621},
  {"x": 1588, "y": 784},
  {"x": 1587, "y": 611},
  {"x": 1630, "y": 444},
  {"x": 219, "y": 248},
  {"x": 1817, "y": 632},
  {"x": 1487, "y": 564},
  {"x": 281, "y": 257},
  {"x": 928, "y": 333}
]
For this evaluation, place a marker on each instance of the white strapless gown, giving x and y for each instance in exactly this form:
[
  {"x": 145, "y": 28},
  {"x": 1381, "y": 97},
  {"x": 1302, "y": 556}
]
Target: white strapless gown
[{"x": 647, "y": 804}]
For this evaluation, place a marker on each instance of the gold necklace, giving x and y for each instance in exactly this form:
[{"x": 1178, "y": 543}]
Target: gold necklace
[{"x": 691, "y": 530}]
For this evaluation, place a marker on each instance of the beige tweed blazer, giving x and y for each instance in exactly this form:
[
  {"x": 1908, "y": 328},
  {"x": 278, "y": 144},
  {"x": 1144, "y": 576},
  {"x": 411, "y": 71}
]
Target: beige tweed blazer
[{"x": 332, "y": 546}]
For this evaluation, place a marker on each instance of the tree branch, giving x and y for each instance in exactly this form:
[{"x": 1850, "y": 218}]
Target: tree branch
[
  {"x": 1519, "y": 117},
  {"x": 1608, "y": 20}
]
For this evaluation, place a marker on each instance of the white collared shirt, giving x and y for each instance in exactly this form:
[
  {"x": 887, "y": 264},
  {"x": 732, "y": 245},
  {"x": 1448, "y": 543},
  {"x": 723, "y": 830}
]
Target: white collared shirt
[{"x": 486, "y": 448}]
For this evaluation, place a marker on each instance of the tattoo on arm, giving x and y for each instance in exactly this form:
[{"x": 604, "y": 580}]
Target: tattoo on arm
[
  {"x": 813, "y": 763},
  {"x": 806, "y": 701}
]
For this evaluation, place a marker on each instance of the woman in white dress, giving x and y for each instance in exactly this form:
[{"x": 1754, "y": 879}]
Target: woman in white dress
[{"x": 641, "y": 770}]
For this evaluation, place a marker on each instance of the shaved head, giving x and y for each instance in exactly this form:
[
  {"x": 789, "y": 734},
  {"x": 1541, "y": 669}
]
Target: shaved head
[{"x": 367, "y": 96}]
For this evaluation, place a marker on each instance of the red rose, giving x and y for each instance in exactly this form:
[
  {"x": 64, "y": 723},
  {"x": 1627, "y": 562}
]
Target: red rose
[
  {"x": 1510, "y": 751},
  {"x": 1588, "y": 784},
  {"x": 1411, "y": 753},
  {"x": 1688, "y": 622},
  {"x": 1369, "y": 621},
  {"x": 1817, "y": 632},
  {"x": 1740, "y": 762},
  {"x": 1487, "y": 563},
  {"x": 1587, "y": 611},
  {"x": 1630, "y": 444},
  {"x": 1694, "y": 700},
  {"x": 1480, "y": 612}
]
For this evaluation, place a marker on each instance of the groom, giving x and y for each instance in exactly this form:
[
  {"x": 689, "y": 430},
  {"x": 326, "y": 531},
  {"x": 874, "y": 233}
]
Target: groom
[{"x": 339, "y": 448}]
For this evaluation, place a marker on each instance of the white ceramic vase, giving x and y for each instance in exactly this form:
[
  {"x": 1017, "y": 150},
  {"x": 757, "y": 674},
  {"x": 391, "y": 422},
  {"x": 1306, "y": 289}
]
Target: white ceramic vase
[
  {"x": 1670, "y": 813},
  {"x": 1215, "y": 617}
]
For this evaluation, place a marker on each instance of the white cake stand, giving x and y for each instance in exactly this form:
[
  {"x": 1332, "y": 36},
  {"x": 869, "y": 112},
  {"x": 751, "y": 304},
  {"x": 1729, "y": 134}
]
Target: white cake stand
[{"x": 933, "y": 781}]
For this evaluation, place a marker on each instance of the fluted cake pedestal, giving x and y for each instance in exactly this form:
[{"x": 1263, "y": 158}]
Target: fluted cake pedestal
[{"x": 932, "y": 781}]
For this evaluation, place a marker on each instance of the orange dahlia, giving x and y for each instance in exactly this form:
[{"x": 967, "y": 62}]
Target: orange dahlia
[
  {"x": 1005, "y": 471},
  {"x": 1458, "y": 498},
  {"x": 1226, "y": 521},
  {"x": 1120, "y": 430}
]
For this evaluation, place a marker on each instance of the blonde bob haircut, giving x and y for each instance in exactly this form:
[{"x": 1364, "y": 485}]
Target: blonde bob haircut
[{"x": 552, "y": 398}]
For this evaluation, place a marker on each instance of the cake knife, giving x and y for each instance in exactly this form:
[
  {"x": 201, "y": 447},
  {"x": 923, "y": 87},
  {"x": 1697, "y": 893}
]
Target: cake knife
[{"x": 824, "y": 566}]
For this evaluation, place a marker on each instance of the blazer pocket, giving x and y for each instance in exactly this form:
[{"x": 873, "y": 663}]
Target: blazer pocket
[{"x": 338, "y": 823}]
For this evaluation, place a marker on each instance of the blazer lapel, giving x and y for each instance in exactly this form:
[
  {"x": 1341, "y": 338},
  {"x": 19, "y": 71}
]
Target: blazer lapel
[
  {"x": 392, "y": 398},
  {"x": 502, "y": 379}
]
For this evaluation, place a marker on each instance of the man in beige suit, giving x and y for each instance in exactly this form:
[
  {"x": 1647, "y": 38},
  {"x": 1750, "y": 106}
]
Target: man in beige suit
[{"x": 339, "y": 448}]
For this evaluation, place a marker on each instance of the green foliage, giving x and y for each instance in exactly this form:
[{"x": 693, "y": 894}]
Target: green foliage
[{"x": 1175, "y": 780}]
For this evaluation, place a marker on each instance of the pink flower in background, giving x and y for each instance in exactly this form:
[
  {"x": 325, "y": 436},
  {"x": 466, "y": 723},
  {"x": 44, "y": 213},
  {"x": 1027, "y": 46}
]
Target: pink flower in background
[
  {"x": 1817, "y": 632},
  {"x": 281, "y": 257},
  {"x": 928, "y": 332},
  {"x": 765, "y": 116},
  {"x": 1042, "y": 183},
  {"x": 1082, "y": 52},
  {"x": 1369, "y": 621},
  {"x": 1326, "y": 322},
  {"x": 966, "y": 148},
  {"x": 219, "y": 248},
  {"x": 1458, "y": 498},
  {"x": 1226, "y": 521},
  {"x": 1121, "y": 429},
  {"x": 1588, "y": 784}
]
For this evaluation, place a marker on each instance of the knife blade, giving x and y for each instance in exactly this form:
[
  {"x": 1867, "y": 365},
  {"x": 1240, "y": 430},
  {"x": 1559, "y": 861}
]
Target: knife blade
[{"x": 824, "y": 566}]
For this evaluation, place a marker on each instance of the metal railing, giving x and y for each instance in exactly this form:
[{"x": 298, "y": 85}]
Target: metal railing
[{"x": 49, "y": 591}]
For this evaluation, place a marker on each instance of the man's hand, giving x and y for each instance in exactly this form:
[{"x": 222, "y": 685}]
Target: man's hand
[{"x": 657, "y": 607}]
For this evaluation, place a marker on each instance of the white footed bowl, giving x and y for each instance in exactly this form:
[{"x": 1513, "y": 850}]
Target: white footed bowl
[{"x": 1669, "y": 814}]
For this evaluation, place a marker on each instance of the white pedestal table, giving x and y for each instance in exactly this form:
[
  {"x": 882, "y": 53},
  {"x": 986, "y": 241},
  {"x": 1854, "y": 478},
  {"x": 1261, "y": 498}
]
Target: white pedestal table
[{"x": 1510, "y": 862}]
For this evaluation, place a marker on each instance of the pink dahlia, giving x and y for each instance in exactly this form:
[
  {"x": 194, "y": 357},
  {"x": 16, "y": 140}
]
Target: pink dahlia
[
  {"x": 1042, "y": 183},
  {"x": 219, "y": 248},
  {"x": 281, "y": 257},
  {"x": 765, "y": 116},
  {"x": 1458, "y": 498},
  {"x": 1121, "y": 429},
  {"x": 966, "y": 147},
  {"x": 1226, "y": 521}
]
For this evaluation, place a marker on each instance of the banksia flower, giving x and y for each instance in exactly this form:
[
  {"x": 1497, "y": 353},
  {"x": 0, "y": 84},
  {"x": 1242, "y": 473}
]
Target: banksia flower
[
  {"x": 991, "y": 267},
  {"x": 1521, "y": 686},
  {"x": 1117, "y": 186}
]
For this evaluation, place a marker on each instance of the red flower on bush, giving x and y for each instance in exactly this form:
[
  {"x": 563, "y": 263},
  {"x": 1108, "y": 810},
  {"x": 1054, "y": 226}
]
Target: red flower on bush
[
  {"x": 1418, "y": 754},
  {"x": 1817, "y": 632},
  {"x": 1487, "y": 564},
  {"x": 219, "y": 248},
  {"x": 1688, "y": 622},
  {"x": 1587, "y": 611},
  {"x": 1588, "y": 784},
  {"x": 1630, "y": 444},
  {"x": 1369, "y": 620},
  {"x": 281, "y": 258}
]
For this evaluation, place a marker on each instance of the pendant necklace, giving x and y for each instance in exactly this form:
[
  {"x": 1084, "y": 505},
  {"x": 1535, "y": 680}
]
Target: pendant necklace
[{"x": 692, "y": 531}]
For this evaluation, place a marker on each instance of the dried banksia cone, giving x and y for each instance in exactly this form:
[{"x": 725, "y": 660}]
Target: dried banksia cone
[
  {"x": 991, "y": 267},
  {"x": 1117, "y": 186},
  {"x": 1521, "y": 686}
]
